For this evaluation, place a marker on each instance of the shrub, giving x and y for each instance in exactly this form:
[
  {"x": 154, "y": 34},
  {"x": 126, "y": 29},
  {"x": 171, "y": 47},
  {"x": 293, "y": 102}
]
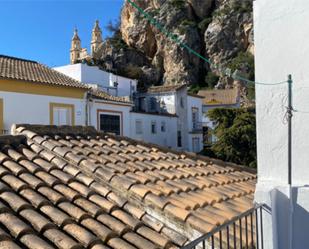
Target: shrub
[
  {"x": 243, "y": 6},
  {"x": 251, "y": 91},
  {"x": 185, "y": 24},
  {"x": 194, "y": 88},
  {"x": 236, "y": 133},
  {"x": 178, "y": 4},
  {"x": 211, "y": 79},
  {"x": 237, "y": 6},
  {"x": 132, "y": 72},
  {"x": 204, "y": 24},
  {"x": 244, "y": 61}
]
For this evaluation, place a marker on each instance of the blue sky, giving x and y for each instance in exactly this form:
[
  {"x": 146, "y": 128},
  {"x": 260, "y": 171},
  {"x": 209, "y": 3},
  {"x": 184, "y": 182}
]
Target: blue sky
[{"x": 41, "y": 30}]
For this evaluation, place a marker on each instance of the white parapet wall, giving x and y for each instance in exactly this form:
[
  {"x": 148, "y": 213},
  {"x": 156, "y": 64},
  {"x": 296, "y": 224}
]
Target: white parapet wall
[
  {"x": 94, "y": 75},
  {"x": 282, "y": 48}
]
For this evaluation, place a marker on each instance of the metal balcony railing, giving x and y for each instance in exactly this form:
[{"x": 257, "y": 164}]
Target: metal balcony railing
[
  {"x": 243, "y": 232},
  {"x": 197, "y": 127},
  {"x": 4, "y": 132}
]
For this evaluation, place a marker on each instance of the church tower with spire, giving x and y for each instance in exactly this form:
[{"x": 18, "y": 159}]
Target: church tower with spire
[
  {"x": 76, "y": 49},
  {"x": 96, "y": 40}
]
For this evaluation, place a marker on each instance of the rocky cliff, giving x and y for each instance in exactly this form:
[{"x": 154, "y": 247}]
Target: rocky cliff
[{"x": 218, "y": 29}]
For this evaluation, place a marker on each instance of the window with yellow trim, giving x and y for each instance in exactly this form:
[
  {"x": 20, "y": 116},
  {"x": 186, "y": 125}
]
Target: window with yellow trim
[{"x": 62, "y": 114}]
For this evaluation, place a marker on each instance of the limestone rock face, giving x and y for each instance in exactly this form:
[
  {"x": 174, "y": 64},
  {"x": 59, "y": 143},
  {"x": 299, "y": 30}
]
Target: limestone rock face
[
  {"x": 201, "y": 7},
  {"x": 217, "y": 29},
  {"x": 175, "y": 64},
  {"x": 230, "y": 32}
]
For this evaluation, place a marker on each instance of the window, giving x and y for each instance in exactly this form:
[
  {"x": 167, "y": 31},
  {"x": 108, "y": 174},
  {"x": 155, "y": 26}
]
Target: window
[
  {"x": 153, "y": 104},
  {"x": 110, "y": 123},
  {"x": 163, "y": 126},
  {"x": 196, "y": 144},
  {"x": 179, "y": 139},
  {"x": 138, "y": 127},
  {"x": 153, "y": 127},
  {"x": 141, "y": 104},
  {"x": 182, "y": 105},
  {"x": 195, "y": 118},
  {"x": 61, "y": 114}
]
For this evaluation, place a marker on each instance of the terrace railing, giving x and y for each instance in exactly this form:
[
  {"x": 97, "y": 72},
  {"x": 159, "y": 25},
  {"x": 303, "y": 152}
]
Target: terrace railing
[
  {"x": 197, "y": 127},
  {"x": 243, "y": 232},
  {"x": 4, "y": 132}
]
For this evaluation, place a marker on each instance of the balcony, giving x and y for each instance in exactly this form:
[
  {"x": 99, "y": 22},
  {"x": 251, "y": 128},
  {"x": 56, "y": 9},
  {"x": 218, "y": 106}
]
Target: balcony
[
  {"x": 4, "y": 132},
  {"x": 244, "y": 231},
  {"x": 197, "y": 127}
]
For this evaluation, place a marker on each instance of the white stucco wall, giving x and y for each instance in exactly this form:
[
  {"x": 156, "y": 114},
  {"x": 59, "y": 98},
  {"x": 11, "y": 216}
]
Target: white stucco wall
[
  {"x": 85, "y": 74},
  {"x": 94, "y": 75},
  {"x": 167, "y": 138},
  {"x": 282, "y": 48},
  {"x": 125, "y": 87},
  {"x": 19, "y": 108},
  {"x": 179, "y": 103},
  {"x": 100, "y": 106},
  {"x": 182, "y": 121},
  {"x": 194, "y": 102},
  {"x": 165, "y": 102}
]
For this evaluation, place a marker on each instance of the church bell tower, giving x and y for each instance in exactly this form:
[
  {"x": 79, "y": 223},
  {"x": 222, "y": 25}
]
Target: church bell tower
[
  {"x": 76, "y": 49},
  {"x": 96, "y": 40}
]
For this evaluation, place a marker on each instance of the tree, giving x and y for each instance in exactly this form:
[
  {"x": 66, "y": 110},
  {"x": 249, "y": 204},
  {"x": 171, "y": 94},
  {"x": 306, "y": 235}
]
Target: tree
[
  {"x": 236, "y": 133},
  {"x": 113, "y": 27}
]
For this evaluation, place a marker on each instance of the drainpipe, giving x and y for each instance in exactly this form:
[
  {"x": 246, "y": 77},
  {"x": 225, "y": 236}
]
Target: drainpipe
[{"x": 87, "y": 108}]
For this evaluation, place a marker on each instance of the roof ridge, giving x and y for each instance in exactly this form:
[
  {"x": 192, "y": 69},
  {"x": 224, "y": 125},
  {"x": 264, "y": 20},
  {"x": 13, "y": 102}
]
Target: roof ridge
[
  {"x": 10, "y": 139},
  {"x": 17, "y": 58},
  {"x": 63, "y": 75},
  {"x": 33, "y": 71}
]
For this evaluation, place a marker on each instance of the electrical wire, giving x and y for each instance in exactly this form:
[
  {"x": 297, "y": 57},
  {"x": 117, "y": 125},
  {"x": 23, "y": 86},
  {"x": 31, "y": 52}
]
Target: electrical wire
[
  {"x": 302, "y": 112},
  {"x": 176, "y": 39}
]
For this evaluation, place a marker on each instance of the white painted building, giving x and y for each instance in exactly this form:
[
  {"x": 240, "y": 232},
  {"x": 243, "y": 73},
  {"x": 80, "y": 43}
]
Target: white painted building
[
  {"x": 282, "y": 48},
  {"x": 46, "y": 96},
  {"x": 108, "y": 82},
  {"x": 212, "y": 99},
  {"x": 110, "y": 114},
  {"x": 174, "y": 100},
  {"x": 33, "y": 93},
  {"x": 41, "y": 95},
  {"x": 158, "y": 129},
  {"x": 195, "y": 125}
]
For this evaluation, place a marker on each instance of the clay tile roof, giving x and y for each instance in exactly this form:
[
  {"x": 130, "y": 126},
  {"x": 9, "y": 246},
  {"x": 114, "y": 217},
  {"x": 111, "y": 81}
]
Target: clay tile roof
[
  {"x": 99, "y": 94},
  {"x": 72, "y": 187},
  {"x": 220, "y": 96},
  {"x": 27, "y": 70},
  {"x": 165, "y": 88}
]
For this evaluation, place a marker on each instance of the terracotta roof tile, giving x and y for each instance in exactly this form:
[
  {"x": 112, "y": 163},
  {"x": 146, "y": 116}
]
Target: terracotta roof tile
[
  {"x": 60, "y": 239},
  {"x": 9, "y": 245},
  {"x": 165, "y": 88},
  {"x": 139, "y": 241},
  {"x": 99, "y": 94},
  {"x": 220, "y": 96},
  {"x": 26, "y": 70},
  {"x": 32, "y": 241},
  {"x": 134, "y": 202}
]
